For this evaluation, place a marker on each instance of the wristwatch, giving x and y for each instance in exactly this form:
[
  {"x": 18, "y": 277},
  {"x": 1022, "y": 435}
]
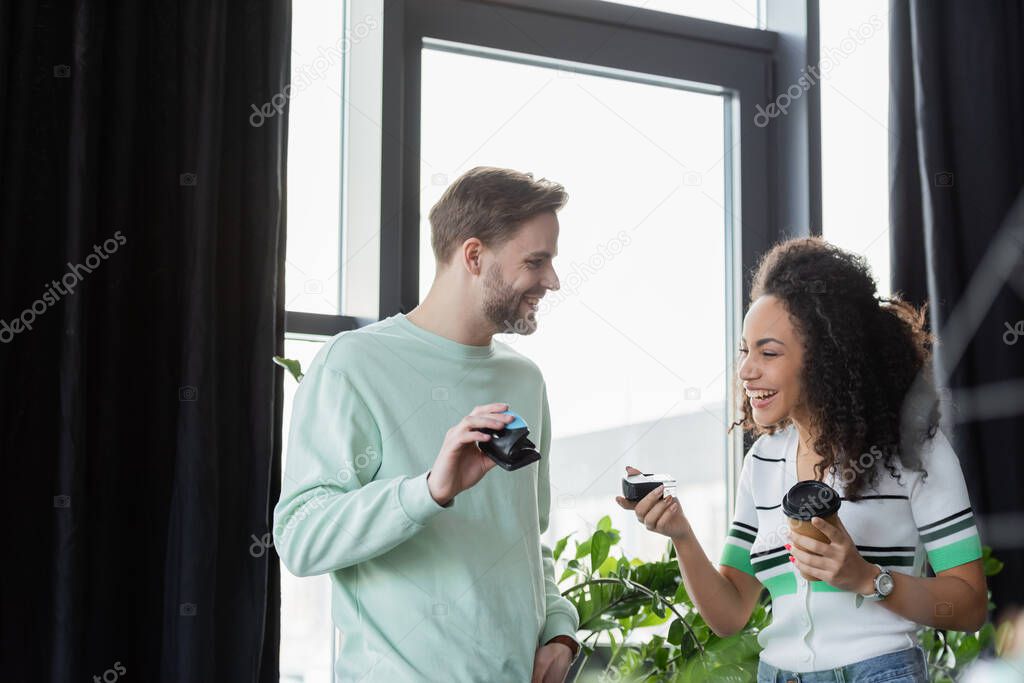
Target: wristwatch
[{"x": 884, "y": 584}]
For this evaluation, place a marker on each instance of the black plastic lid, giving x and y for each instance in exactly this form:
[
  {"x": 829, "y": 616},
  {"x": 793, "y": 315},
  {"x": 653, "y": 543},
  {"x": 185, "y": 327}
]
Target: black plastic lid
[{"x": 810, "y": 499}]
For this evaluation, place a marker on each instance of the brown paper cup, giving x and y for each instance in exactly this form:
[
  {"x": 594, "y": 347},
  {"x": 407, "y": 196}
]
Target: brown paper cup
[{"x": 805, "y": 528}]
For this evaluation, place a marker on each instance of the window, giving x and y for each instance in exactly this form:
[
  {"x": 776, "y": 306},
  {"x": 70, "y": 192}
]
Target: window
[
  {"x": 633, "y": 347},
  {"x": 855, "y": 131},
  {"x": 312, "y": 266},
  {"x": 642, "y": 121}
]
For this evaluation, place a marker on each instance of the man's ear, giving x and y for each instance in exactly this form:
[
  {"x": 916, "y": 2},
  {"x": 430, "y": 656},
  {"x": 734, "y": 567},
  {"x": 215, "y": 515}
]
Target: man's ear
[{"x": 472, "y": 251}]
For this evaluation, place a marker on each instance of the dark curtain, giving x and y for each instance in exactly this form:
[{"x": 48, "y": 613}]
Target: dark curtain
[
  {"x": 956, "y": 169},
  {"x": 143, "y": 224}
]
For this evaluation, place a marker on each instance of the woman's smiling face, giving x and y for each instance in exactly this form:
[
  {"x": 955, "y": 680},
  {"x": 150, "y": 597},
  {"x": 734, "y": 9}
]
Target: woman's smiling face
[{"x": 770, "y": 362}]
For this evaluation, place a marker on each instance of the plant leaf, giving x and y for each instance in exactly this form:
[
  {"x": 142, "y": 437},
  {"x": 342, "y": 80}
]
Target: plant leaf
[
  {"x": 599, "y": 624},
  {"x": 681, "y": 595},
  {"x": 651, "y": 619},
  {"x": 600, "y": 544},
  {"x": 992, "y": 566},
  {"x": 676, "y": 632},
  {"x": 966, "y": 651},
  {"x": 624, "y": 567},
  {"x": 608, "y": 567},
  {"x": 291, "y": 365},
  {"x": 985, "y": 634},
  {"x": 560, "y": 547},
  {"x": 629, "y": 606},
  {"x": 657, "y": 606}
]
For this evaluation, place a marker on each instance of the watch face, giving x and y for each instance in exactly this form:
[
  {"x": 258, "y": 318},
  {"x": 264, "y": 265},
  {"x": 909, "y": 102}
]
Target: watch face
[{"x": 885, "y": 584}]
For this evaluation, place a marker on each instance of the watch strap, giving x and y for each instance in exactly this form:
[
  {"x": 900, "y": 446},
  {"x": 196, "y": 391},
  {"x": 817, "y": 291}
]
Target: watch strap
[
  {"x": 875, "y": 596},
  {"x": 573, "y": 646}
]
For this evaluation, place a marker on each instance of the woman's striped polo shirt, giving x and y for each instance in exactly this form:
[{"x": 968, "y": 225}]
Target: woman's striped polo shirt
[{"x": 898, "y": 524}]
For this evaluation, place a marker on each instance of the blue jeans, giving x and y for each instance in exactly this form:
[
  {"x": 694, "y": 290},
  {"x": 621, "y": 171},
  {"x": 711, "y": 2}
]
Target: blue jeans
[{"x": 904, "y": 666}]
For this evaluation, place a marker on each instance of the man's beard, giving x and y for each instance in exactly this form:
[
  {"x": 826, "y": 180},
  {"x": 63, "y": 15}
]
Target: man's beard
[{"x": 501, "y": 305}]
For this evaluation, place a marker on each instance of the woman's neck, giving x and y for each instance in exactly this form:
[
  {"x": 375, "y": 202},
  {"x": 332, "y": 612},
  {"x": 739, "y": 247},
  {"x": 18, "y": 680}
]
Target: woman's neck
[{"x": 806, "y": 456}]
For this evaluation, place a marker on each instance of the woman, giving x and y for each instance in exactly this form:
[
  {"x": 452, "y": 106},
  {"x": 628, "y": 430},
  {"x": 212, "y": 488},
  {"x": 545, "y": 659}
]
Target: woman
[{"x": 836, "y": 383}]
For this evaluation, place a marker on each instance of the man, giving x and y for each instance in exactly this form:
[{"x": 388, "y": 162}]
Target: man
[{"x": 437, "y": 571}]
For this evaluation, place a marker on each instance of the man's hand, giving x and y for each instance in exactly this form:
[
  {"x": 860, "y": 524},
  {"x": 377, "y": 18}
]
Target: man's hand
[
  {"x": 461, "y": 464},
  {"x": 837, "y": 563},
  {"x": 551, "y": 663}
]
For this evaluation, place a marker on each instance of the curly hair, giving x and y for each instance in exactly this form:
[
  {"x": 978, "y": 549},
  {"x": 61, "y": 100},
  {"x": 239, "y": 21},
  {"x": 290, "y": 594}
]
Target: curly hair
[{"x": 866, "y": 377}]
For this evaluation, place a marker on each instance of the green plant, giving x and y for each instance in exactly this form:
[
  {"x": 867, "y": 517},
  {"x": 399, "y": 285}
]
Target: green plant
[
  {"x": 948, "y": 652},
  {"x": 619, "y": 598}
]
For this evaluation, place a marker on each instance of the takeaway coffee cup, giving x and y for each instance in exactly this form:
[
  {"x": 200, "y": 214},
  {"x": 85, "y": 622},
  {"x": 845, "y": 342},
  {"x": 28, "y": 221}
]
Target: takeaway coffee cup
[{"x": 806, "y": 500}]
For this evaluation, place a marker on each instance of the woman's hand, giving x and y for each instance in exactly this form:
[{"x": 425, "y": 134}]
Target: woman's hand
[
  {"x": 838, "y": 563},
  {"x": 661, "y": 515}
]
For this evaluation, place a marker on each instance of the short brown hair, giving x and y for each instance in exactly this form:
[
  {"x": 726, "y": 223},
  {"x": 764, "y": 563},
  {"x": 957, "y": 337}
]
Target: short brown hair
[{"x": 490, "y": 204}]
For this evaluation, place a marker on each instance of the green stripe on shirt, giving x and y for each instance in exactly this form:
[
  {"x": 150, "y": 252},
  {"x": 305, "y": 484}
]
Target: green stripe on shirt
[
  {"x": 783, "y": 584},
  {"x": 823, "y": 587},
  {"x": 952, "y": 555},
  {"x": 737, "y": 558}
]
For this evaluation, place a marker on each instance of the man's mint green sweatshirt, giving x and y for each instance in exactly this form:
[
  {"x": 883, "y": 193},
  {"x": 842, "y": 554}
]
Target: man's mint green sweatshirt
[{"x": 420, "y": 592}]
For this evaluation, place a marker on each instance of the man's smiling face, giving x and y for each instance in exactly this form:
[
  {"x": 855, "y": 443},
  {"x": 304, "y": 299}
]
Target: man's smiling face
[{"x": 518, "y": 274}]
